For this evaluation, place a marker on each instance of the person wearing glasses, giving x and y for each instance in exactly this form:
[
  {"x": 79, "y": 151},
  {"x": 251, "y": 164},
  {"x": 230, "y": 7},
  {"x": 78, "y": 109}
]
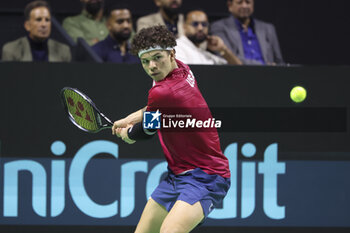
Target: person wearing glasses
[{"x": 198, "y": 47}]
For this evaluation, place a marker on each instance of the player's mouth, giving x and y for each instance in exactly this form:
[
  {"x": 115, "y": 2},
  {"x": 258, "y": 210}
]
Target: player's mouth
[{"x": 155, "y": 74}]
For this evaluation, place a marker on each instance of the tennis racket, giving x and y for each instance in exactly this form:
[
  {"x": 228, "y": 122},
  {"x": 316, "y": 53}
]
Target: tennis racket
[{"x": 82, "y": 112}]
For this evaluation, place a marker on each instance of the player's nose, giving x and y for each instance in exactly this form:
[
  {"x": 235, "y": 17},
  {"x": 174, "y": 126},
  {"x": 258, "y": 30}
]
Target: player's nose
[{"x": 152, "y": 64}]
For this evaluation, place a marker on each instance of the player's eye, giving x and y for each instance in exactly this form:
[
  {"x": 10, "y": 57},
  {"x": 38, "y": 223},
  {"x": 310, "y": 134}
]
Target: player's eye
[
  {"x": 145, "y": 61},
  {"x": 157, "y": 58}
]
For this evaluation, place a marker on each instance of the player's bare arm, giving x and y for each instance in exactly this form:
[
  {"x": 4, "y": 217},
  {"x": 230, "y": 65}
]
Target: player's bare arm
[{"x": 131, "y": 119}]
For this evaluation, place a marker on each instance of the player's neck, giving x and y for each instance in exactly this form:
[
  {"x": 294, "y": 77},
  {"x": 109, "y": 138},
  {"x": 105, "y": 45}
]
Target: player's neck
[{"x": 174, "y": 65}]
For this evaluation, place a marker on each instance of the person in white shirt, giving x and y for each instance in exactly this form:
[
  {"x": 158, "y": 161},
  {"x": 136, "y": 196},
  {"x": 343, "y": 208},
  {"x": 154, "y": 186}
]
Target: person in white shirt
[{"x": 197, "y": 47}]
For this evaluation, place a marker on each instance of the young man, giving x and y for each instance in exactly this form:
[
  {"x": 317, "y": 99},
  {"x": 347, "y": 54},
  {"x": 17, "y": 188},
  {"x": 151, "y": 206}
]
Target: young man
[{"x": 199, "y": 176}]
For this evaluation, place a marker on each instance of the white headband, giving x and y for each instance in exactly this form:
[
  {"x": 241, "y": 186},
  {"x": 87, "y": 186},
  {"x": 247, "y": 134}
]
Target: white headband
[{"x": 141, "y": 52}]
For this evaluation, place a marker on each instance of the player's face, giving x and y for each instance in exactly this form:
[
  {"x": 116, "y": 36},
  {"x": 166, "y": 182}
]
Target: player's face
[
  {"x": 158, "y": 64},
  {"x": 119, "y": 24},
  {"x": 241, "y": 9},
  {"x": 197, "y": 26},
  {"x": 39, "y": 24}
]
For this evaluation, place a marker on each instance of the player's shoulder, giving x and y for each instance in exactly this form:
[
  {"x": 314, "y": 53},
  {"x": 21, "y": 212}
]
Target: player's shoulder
[
  {"x": 160, "y": 89},
  {"x": 161, "y": 95}
]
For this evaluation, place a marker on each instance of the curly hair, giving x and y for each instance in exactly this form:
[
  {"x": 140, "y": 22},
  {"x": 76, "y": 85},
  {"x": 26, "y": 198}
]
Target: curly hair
[{"x": 152, "y": 37}]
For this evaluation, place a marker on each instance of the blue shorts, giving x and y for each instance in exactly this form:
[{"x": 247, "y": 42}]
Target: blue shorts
[{"x": 191, "y": 187}]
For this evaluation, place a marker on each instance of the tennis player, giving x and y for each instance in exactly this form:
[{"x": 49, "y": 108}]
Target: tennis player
[{"x": 198, "y": 172}]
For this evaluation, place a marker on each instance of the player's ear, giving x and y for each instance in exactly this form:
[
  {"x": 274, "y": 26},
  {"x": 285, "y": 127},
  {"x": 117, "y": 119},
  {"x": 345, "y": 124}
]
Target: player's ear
[{"x": 172, "y": 54}]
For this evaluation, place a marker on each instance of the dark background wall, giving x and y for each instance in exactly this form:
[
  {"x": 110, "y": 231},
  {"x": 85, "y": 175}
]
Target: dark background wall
[
  {"x": 32, "y": 118},
  {"x": 31, "y": 91},
  {"x": 312, "y": 32}
]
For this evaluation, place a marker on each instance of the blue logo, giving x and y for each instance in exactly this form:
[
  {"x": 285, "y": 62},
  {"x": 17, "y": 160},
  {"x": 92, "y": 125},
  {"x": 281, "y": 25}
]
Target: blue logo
[{"x": 151, "y": 120}]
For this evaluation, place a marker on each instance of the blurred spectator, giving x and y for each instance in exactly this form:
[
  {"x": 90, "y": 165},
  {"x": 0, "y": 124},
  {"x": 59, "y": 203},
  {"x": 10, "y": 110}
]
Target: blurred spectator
[
  {"x": 253, "y": 41},
  {"x": 115, "y": 48},
  {"x": 89, "y": 25},
  {"x": 192, "y": 48},
  {"x": 36, "y": 46},
  {"x": 168, "y": 15}
]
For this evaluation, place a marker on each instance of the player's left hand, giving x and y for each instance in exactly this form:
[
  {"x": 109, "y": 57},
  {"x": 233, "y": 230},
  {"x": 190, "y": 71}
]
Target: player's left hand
[{"x": 123, "y": 132}]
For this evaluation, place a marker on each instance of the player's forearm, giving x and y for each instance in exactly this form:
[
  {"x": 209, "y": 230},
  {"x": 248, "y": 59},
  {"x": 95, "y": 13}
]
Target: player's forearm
[{"x": 135, "y": 117}]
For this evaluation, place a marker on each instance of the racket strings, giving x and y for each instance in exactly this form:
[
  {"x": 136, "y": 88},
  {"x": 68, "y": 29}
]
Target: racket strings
[{"x": 80, "y": 110}]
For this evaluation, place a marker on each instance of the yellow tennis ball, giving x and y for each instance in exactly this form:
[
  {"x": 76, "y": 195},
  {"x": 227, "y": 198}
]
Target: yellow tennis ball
[{"x": 298, "y": 94}]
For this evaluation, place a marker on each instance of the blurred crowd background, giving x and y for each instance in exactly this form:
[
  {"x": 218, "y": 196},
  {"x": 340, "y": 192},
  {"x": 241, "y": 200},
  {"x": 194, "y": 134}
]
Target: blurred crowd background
[{"x": 312, "y": 32}]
